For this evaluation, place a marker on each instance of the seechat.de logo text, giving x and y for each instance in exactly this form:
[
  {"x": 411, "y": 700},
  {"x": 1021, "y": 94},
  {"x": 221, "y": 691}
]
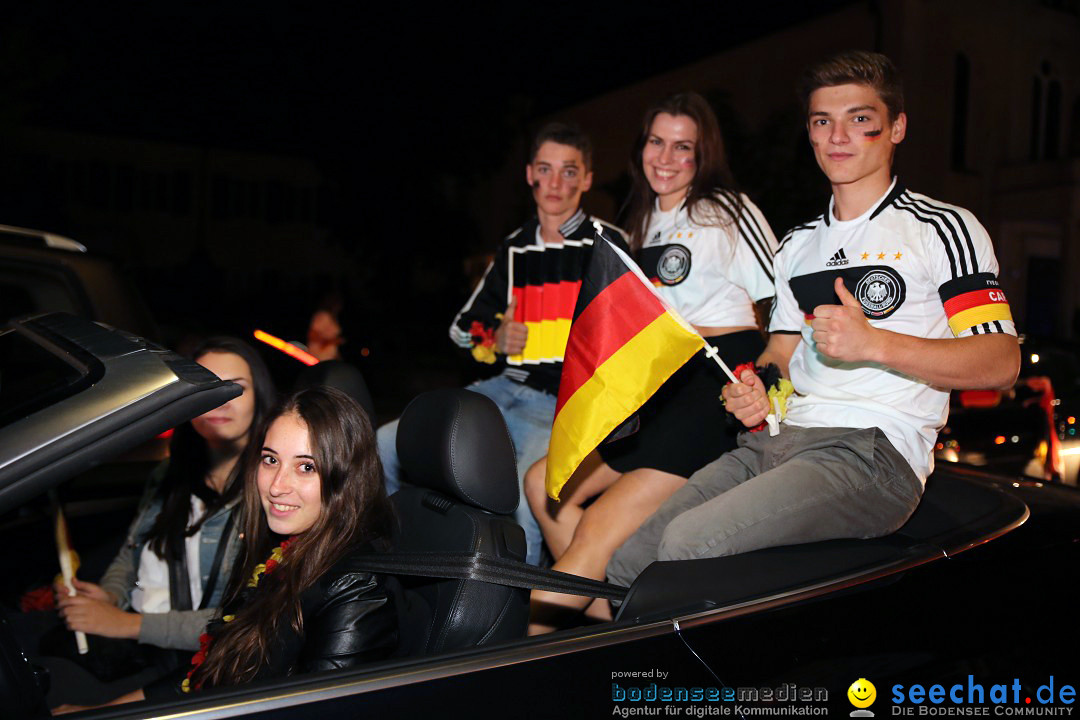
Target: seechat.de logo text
[{"x": 973, "y": 698}]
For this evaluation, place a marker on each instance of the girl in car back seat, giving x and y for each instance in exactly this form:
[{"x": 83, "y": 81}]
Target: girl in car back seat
[
  {"x": 169, "y": 577},
  {"x": 313, "y": 505}
]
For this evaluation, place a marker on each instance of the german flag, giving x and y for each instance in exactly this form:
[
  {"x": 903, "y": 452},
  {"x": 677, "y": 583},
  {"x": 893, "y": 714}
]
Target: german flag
[
  {"x": 545, "y": 284},
  {"x": 624, "y": 343}
]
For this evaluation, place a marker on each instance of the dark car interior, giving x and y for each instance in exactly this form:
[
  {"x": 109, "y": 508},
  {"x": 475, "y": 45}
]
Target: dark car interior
[{"x": 458, "y": 458}]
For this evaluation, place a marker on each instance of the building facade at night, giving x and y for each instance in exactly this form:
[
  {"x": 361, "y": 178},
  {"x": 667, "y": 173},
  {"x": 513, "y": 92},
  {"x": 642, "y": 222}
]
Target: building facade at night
[{"x": 993, "y": 98}]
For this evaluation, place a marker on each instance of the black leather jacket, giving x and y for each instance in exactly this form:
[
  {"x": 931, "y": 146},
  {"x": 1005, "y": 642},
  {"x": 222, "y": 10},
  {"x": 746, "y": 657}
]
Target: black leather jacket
[{"x": 350, "y": 618}]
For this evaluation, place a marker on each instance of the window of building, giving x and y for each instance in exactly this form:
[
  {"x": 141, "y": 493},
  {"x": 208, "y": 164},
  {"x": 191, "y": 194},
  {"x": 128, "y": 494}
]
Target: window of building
[
  {"x": 961, "y": 90},
  {"x": 1074, "y": 129},
  {"x": 161, "y": 191},
  {"x": 219, "y": 196},
  {"x": 124, "y": 188},
  {"x": 277, "y": 209},
  {"x": 144, "y": 191},
  {"x": 1036, "y": 118},
  {"x": 76, "y": 181},
  {"x": 1053, "y": 120},
  {"x": 100, "y": 185},
  {"x": 1045, "y": 115},
  {"x": 303, "y": 204},
  {"x": 181, "y": 192}
]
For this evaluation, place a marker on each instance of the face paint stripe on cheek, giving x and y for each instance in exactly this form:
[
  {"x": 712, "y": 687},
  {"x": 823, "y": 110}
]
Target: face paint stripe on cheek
[{"x": 872, "y": 134}]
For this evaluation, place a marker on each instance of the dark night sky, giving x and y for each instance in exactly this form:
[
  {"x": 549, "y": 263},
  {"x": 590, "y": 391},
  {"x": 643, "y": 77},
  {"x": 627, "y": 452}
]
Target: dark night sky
[
  {"x": 390, "y": 101},
  {"x": 272, "y": 77}
]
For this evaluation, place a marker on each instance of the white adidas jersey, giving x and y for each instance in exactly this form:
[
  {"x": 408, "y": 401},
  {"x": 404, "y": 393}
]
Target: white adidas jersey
[
  {"x": 918, "y": 267},
  {"x": 711, "y": 274}
]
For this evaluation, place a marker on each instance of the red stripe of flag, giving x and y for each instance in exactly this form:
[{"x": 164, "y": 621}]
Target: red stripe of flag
[
  {"x": 550, "y": 310},
  {"x": 534, "y": 299},
  {"x": 618, "y": 313},
  {"x": 558, "y": 301},
  {"x": 568, "y": 292},
  {"x": 974, "y": 298}
]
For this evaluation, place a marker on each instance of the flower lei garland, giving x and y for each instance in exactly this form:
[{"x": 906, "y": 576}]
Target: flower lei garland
[
  {"x": 272, "y": 562},
  {"x": 483, "y": 339},
  {"x": 276, "y": 556}
]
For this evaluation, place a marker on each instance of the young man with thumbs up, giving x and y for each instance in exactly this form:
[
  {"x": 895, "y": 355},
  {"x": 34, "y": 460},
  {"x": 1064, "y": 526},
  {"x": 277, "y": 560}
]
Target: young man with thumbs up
[
  {"x": 884, "y": 304},
  {"x": 519, "y": 315}
]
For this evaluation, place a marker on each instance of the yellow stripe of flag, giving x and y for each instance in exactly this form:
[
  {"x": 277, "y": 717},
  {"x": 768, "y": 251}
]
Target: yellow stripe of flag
[{"x": 615, "y": 391}]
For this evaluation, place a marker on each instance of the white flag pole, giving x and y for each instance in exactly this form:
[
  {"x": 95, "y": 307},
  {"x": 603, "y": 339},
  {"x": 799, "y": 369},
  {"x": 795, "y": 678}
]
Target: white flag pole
[
  {"x": 63, "y": 546},
  {"x": 712, "y": 352}
]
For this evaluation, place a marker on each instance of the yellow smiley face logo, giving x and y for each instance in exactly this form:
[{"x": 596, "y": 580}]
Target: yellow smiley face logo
[{"x": 862, "y": 693}]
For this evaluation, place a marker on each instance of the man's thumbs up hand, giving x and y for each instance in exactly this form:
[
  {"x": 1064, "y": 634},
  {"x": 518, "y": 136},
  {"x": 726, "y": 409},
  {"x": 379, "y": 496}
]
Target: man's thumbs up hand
[{"x": 842, "y": 331}]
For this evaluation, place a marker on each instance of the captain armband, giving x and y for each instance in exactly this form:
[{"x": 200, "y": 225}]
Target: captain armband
[{"x": 973, "y": 300}]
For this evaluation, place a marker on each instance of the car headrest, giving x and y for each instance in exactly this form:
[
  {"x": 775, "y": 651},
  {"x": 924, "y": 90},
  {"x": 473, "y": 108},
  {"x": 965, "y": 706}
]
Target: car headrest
[
  {"x": 339, "y": 375},
  {"x": 456, "y": 442}
]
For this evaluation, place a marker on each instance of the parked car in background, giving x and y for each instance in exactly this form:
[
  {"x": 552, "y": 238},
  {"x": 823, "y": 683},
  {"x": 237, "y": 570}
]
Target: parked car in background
[
  {"x": 42, "y": 272},
  {"x": 1029, "y": 430}
]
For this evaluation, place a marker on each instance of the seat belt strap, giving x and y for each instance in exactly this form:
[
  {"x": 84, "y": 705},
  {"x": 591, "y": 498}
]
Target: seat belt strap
[
  {"x": 179, "y": 581},
  {"x": 487, "y": 568},
  {"x": 219, "y": 557}
]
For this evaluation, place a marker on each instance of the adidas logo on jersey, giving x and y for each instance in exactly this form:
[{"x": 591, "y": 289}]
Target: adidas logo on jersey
[{"x": 838, "y": 259}]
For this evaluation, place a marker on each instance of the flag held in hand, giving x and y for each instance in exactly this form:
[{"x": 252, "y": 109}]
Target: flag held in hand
[{"x": 625, "y": 342}]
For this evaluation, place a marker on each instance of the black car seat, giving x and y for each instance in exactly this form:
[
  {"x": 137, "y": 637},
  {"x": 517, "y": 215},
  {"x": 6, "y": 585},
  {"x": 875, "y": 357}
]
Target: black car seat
[
  {"x": 341, "y": 375},
  {"x": 461, "y": 486}
]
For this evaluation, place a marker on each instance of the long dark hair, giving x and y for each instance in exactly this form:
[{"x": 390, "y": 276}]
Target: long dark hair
[
  {"x": 189, "y": 459},
  {"x": 355, "y": 510},
  {"x": 713, "y": 198}
]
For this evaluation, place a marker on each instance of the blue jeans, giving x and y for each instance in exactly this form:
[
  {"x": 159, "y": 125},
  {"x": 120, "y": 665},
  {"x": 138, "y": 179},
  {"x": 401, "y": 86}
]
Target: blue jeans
[{"x": 528, "y": 414}]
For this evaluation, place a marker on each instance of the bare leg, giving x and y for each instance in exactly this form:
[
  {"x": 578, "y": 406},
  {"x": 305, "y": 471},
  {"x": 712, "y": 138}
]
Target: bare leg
[
  {"x": 604, "y": 526},
  {"x": 558, "y": 520}
]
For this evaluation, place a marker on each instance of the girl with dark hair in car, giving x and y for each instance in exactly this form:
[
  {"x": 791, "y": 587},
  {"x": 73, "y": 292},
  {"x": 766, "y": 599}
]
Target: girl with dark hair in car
[
  {"x": 313, "y": 505},
  {"x": 169, "y": 577},
  {"x": 708, "y": 250},
  {"x": 313, "y": 500}
]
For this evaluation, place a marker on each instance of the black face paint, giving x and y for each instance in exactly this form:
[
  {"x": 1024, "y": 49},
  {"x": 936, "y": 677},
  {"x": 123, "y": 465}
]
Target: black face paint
[
  {"x": 872, "y": 133},
  {"x": 536, "y": 183}
]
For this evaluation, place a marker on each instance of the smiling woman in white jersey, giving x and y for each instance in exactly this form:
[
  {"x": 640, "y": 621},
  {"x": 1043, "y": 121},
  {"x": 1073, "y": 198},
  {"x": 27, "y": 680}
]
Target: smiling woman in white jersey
[{"x": 708, "y": 251}]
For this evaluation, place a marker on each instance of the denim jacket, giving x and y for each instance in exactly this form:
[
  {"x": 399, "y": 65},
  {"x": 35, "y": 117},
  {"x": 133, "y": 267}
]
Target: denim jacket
[{"x": 179, "y": 629}]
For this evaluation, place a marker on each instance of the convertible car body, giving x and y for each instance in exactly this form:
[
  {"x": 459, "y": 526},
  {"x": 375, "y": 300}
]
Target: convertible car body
[{"x": 974, "y": 596}]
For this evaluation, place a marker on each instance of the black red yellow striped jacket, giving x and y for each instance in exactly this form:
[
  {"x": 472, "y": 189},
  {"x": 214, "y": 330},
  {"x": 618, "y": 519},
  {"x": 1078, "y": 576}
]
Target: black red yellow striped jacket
[{"x": 545, "y": 280}]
